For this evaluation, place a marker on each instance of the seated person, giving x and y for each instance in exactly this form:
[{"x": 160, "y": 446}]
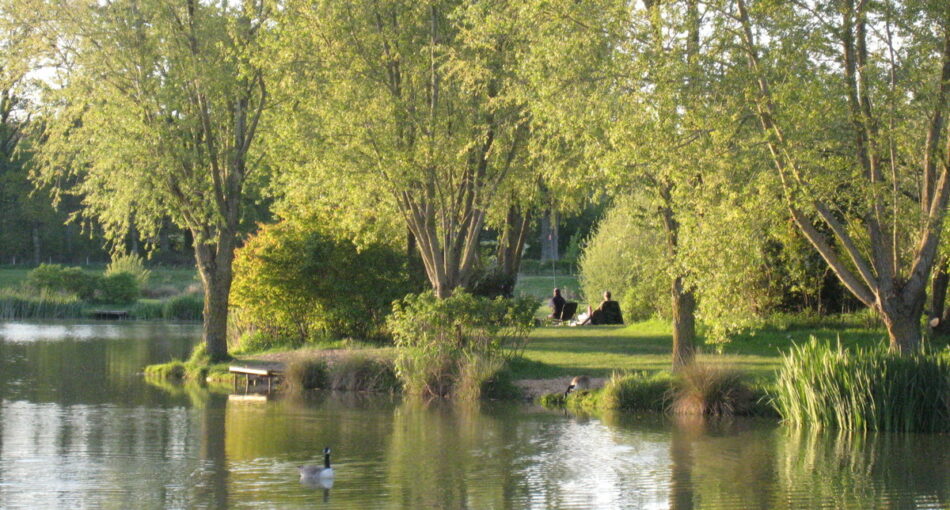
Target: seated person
[
  {"x": 607, "y": 313},
  {"x": 557, "y": 305}
]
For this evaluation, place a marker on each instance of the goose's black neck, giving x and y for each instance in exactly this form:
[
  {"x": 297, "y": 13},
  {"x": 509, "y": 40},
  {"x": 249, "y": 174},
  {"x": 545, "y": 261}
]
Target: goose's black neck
[{"x": 326, "y": 460}]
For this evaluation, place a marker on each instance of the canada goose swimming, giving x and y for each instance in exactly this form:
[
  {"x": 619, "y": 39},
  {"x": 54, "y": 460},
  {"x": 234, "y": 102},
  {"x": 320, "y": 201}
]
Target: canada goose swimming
[
  {"x": 581, "y": 382},
  {"x": 312, "y": 471}
]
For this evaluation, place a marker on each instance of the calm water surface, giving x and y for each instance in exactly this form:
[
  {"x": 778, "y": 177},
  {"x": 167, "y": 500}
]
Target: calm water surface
[{"x": 80, "y": 428}]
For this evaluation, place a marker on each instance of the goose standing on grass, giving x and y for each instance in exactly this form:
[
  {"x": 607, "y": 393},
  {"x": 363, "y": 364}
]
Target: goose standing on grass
[
  {"x": 581, "y": 382},
  {"x": 313, "y": 472}
]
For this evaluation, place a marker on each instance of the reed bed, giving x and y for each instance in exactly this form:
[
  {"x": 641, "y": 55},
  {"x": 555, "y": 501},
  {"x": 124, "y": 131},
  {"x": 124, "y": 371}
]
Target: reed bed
[
  {"x": 829, "y": 386},
  {"x": 45, "y": 304}
]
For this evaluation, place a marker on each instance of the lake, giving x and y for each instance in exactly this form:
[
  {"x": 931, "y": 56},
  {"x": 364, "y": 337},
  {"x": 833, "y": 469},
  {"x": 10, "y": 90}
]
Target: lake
[{"x": 81, "y": 428}]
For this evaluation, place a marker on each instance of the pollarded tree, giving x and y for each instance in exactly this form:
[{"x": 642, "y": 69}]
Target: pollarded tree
[
  {"x": 406, "y": 107},
  {"x": 153, "y": 112},
  {"x": 851, "y": 98}
]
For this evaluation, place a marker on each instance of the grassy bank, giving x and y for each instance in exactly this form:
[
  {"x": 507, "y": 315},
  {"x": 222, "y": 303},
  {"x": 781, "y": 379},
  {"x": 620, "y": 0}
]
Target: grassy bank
[
  {"x": 173, "y": 293},
  {"x": 601, "y": 350}
]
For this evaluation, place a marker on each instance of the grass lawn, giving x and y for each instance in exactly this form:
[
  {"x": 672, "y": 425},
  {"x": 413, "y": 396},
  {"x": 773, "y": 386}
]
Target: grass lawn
[
  {"x": 542, "y": 286},
  {"x": 601, "y": 350},
  {"x": 11, "y": 277}
]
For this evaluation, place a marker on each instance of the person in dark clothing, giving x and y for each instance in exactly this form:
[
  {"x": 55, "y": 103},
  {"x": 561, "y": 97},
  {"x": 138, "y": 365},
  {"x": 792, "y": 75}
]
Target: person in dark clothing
[
  {"x": 607, "y": 313},
  {"x": 557, "y": 305}
]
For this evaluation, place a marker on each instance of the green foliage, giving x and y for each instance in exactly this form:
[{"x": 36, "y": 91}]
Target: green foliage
[
  {"x": 72, "y": 280},
  {"x": 864, "y": 389},
  {"x": 186, "y": 307},
  {"x": 711, "y": 390},
  {"x": 119, "y": 288},
  {"x": 132, "y": 264},
  {"x": 627, "y": 256},
  {"x": 114, "y": 288},
  {"x": 378, "y": 156},
  {"x": 300, "y": 283},
  {"x": 20, "y": 303},
  {"x": 455, "y": 344}
]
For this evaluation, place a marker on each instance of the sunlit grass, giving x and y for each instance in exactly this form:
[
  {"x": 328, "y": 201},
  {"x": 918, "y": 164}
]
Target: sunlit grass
[{"x": 599, "y": 351}]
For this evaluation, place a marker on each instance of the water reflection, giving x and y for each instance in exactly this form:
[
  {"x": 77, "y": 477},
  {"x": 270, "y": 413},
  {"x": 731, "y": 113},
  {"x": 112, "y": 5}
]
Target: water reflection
[{"x": 79, "y": 428}]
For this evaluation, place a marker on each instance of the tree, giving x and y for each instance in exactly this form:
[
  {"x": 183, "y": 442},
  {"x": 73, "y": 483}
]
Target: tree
[
  {"x": 153, "y": 112},
  {"x": 406, "y": 107},
  {"x": 850, "y": 97},
  {"x": 634, "y": 89}
]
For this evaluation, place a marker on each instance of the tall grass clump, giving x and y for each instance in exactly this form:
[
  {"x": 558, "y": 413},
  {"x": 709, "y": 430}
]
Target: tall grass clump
[
  {"x": 636, "y": 391},
  {"x": 359, "y": 372},
  {"x": 46, "y": 304},
  {"x": 864, "y": 389},
  {"x": 186, "y": 307},
  {"x": 454, "y": 345},
  {"x": 306, "y": 374},
  {"x": 709, "y": 390},
  {"x": 132, "y": 264}
]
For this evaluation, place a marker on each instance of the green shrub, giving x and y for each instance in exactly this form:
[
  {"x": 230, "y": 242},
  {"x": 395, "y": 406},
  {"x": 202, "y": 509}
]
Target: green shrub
[
  {"x": 306, "y": 374},
  {"x": 712, "y": 391},
  {"x": 626, "y": 255},
  {"x": 864, "y": 389},
  {"x": 636, "y": 391},
  {"x": 70, "y": 280},
  {"x": 187, "y": 307},
  {"x": 117, "y": 288},
  {"x": 132, "y": 264},
  {"x": 298, "y": 282},
  {"x": 444, "y": 342},
  {"x": 18, "y": 303}
]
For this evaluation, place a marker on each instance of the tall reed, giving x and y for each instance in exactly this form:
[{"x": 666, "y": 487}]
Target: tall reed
[
  {"x": 864, "y": 389},
  {"x": 45, "y": 304}
]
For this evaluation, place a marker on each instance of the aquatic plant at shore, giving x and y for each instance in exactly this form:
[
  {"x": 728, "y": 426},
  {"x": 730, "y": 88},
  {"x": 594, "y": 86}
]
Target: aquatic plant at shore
[
  {"x": 825, "y": 385},
  {"x": 45, "y": 304},
  {"x": 710, "y": 390}
]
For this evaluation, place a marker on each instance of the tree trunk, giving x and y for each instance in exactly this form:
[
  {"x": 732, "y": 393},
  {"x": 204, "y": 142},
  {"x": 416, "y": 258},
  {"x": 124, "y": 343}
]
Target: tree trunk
[
  {"x": 414, "y": 266},
  {"x": 938, "y": 298},
  {"x": 549, "y": 238},
  {"x": 903, "y": 325},
  {"x": 510, "y": 246},
  {"x": 684, "y": 325},
  {"x": 36, "y": 243},
  {"x": 214, "y": 266}
]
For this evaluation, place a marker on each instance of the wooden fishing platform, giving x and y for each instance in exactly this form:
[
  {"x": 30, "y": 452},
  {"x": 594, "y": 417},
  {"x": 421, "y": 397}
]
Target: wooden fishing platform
[{"x": 256, "y": 372}]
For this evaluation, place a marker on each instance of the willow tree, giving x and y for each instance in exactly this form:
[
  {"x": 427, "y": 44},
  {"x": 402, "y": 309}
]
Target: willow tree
[
  {"x": 851, "y": 99},
  {"x": 633, "y": 88},
  {"x": 402, "y": 103},
  {"x": 153, "y": 112}
]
